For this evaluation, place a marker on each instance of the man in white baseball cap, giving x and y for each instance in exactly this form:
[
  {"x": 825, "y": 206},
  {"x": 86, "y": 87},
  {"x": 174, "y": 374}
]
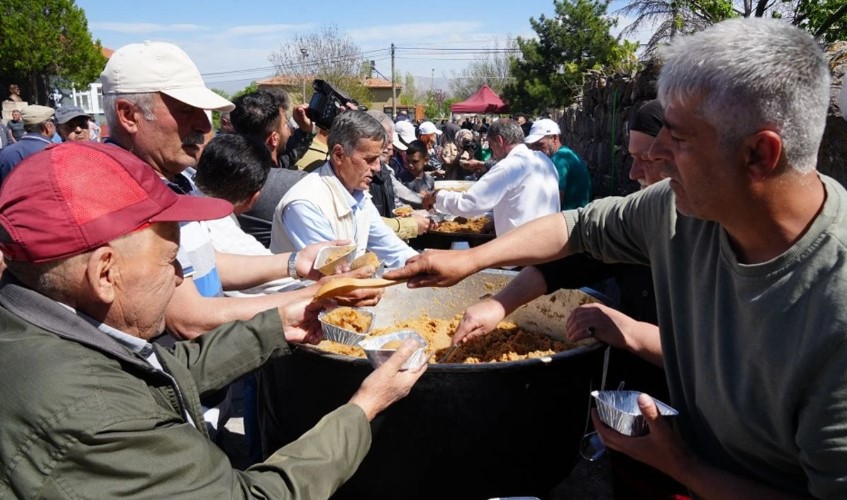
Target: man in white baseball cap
[
  {"x": 574, "y": 179},
  {"x": 155, "y": 101}
]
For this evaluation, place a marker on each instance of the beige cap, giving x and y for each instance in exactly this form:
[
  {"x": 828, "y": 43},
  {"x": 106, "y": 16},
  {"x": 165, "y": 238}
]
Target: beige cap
[
  {"x": 35, "y": 114},
  {"x": 159, "y": 67}
]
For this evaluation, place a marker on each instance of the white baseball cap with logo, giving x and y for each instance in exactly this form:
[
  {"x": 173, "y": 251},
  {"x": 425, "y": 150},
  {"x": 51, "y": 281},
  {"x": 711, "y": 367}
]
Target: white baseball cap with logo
[
  {"x": 159, "y": 67},
  {"x": 542, "y": 128},
  {"x": 427, "y": 128}
]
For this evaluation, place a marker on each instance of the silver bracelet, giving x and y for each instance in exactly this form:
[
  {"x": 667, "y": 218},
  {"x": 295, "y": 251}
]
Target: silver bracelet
[{"x": 292, "y": 266}]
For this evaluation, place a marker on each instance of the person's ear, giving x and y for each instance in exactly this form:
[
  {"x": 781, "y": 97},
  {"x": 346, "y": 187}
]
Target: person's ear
[
  {"x": 251, "y": 202},
  {"x": 337, "y": 154},
  {"x": 128, "y": 116},
  {"x": 102, "y": 273},
  {"x": 763, "y": 154},
  {"x": 273, "y": 140}
]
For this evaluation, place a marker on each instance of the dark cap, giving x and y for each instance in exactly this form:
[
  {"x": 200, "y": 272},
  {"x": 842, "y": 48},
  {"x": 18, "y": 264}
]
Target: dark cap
[
  {"x": 68, "y": 113},
  {"x": 74, "y": 197},
  {"x": 648, "y": 119}
]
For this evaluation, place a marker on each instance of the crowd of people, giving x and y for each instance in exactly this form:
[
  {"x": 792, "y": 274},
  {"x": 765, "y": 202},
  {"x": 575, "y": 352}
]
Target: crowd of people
[{"x": 145, "y": 274}]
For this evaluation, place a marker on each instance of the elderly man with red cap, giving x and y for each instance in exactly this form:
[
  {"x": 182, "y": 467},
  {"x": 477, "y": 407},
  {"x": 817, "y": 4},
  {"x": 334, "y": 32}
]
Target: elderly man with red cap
[{"x": 92, "y": 409}]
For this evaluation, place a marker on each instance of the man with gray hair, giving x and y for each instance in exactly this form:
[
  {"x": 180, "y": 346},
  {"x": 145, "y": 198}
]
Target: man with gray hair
[
  {"x": 746, "y": 244},
  {"x": 333, "y": 202},
  {"x": 522, "y": 186}
]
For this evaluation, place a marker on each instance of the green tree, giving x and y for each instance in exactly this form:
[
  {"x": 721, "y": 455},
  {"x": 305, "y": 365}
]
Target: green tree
[
  {"x": 549, "y": 72},
  {"x": 327, "y": 54},
  {"x": 246, "y": 90},
  {"x": 493, "y": 67},
  {"x": 824, "y": 19},
  {"x": 669, "y": 18},
  {"x": 47, "y": 42},
  {"x": 409, "y": 95},
  {"x": 437, "y": 104}
]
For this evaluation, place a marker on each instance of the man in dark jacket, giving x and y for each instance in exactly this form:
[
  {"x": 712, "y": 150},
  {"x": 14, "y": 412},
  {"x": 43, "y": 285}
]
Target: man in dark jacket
[{"x": 91, "y": 408}]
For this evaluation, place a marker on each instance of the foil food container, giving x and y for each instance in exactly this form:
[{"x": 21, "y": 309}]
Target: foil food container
[
  {"x": 619, "y": 410},
  {"x": 342, "y": 335},
  {"x": 377, "y": 355},
  {"x": 330, "y": 257}
]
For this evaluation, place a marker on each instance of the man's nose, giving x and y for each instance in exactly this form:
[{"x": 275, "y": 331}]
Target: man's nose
[
  {"x": 659, "y": 150},
  {"x": 200, "y": 122}
]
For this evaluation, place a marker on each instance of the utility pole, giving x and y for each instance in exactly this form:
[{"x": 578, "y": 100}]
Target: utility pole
[
  {"x": 393, "y": 87},
  {"x": 304, "y": 53},
  {"x": 432, "y": 81}
]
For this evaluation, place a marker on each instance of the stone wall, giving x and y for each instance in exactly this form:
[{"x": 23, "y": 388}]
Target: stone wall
[{"x": 595, "y": 126}]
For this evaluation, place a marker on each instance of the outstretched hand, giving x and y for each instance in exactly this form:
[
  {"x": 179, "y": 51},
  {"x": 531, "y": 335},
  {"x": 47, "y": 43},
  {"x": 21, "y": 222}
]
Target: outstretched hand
[
  {"x": 388, "y": 383},
  {"x": 306, "y": 258},
  {"x": 300, "y": 321},
  {"x": 479, "y": 319},
  {"x": 434, "y": 268},
  {"x": 360, "y": 297}
]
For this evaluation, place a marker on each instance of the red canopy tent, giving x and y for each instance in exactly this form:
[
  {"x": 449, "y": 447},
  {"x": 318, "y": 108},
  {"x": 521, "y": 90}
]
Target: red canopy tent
[{"x": 483, "y": 101}]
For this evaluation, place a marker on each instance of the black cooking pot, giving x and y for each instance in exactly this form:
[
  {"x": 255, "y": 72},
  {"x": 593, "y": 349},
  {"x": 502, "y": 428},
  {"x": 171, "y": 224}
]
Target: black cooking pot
[{"x": 464, "y": 431}]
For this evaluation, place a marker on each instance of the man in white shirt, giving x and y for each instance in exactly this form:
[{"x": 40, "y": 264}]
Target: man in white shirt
[
  {"x": 333, "y": 202},
  {"x": 522, "y": 186}
]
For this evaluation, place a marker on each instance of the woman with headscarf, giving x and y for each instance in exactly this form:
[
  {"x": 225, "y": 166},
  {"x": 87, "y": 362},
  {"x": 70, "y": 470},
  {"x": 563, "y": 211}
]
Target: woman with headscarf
[{"x": 462, "y": 149}]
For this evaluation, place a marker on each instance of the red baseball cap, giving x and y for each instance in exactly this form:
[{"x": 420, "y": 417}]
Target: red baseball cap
[{"x": 74, "y": 197}]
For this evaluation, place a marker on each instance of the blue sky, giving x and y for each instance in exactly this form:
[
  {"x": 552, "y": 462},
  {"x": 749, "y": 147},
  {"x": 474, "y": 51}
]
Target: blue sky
[{"x": 230, "y": 41}]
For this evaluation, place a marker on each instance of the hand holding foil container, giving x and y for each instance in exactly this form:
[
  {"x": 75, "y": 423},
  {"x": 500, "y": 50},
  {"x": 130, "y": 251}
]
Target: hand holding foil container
[{"x": 619, "y": 410}]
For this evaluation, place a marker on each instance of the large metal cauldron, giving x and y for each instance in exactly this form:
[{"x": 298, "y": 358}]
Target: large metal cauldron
[{"x": 465, "y": 431}]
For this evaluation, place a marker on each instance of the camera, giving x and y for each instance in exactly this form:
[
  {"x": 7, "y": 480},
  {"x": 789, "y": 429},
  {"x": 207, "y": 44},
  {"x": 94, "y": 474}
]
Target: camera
[
  {"x": 326, "y": 102},
  {"x": 471, "y": 147}
]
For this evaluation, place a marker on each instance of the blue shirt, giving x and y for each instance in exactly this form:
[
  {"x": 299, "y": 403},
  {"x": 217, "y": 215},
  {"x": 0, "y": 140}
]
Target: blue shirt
[
  {"x": 304, "y": 224},
  {"x": 10, "y": 156}
]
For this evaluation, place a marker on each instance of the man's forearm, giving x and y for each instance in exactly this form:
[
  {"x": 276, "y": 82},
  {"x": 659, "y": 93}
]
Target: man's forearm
[
  {"x": 643, "y": 340},
  {"x": 239, "y": 272},
  {"x": 540, "y": 240},
  {"x": 190, "y": 315},
  {"x": 528, "y": 285}
]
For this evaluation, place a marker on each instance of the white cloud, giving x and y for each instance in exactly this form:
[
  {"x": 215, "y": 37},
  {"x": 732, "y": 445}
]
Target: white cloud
[{"x": 146, "y": 27}]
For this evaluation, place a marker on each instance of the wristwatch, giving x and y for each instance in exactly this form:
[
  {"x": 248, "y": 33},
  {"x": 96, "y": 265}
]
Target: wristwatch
[{"x": 292, "y": 266}]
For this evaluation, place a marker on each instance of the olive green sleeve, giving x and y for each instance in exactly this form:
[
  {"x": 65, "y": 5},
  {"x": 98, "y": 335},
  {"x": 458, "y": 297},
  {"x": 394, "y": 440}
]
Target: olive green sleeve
[
  {"x": 159, "y": 459},
  {"x": 217, "y": 358}
]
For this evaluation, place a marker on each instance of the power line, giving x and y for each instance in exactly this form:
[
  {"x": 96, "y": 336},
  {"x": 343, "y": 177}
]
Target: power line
[{"x": 417, "y": 53}]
